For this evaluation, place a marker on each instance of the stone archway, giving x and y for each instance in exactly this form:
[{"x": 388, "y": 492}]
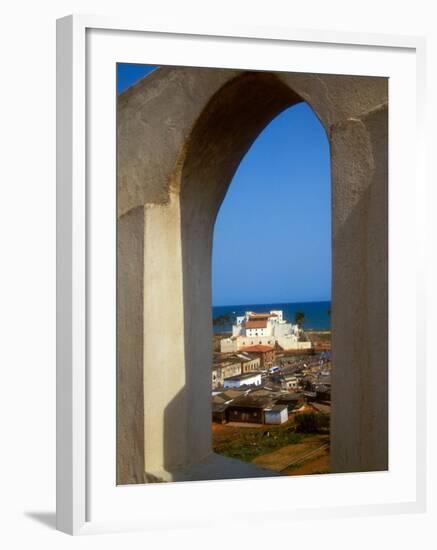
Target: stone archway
[{"x": 181, "y": 135}]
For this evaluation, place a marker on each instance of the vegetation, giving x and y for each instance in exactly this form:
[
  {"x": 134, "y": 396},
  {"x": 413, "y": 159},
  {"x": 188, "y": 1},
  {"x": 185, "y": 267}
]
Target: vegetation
[
  {"x": 252, "y": 443},
  {"x": 299, "y": 318},
  {"x": 221, "y": 320},
  {"x": 319, "y": 335},
  {"x": 312, "y": 422}
]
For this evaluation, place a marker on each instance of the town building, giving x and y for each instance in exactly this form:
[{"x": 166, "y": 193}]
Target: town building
[
  {"x": 278, "y": 414},
  {"x": 323, "y": 392},
  {"x": 290, "y": 381},
  {"x": 250, "y": 362},
  {"x": 222, "y": 370},
  {"x": 232, "y": 364},
  {"x": 248, "y": 409},
  {"x": 292, "y": 400},
  {"x": 257, "y": 409},
  {"x": 257, "y": 404},
  {"x": 249, "y": 379},
  {"x": 221, "y": 401},
  {"x": 265, "y": 353},
  {"x": 268, "y": 328}
]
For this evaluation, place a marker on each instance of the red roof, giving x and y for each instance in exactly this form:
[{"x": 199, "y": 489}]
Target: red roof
[
  {"x": 260, "y": 348},
  {"x": 256, "y": 324},
  {"x": 261, "y": 315}
]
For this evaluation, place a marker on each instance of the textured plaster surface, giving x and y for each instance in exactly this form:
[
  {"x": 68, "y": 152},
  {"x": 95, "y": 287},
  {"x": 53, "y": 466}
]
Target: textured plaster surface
[
  {"x": 360, "y": 300},
  {"x": 181, "y": 135},
  {"x": 130, "y": 345}
]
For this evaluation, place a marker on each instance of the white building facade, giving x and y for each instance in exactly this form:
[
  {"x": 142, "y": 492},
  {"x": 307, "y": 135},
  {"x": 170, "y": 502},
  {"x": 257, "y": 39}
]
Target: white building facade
[
  {"x": 249, "y": 379},
  {"x": 276, "y": 415},
  {"x": 265, "y": 329}
]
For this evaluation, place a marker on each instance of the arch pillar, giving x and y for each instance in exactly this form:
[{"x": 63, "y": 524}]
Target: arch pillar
[
  {"x": 164, "y": 351},
  {"x": 169, "y": 193},
  {"x": 359, "y": 418}
]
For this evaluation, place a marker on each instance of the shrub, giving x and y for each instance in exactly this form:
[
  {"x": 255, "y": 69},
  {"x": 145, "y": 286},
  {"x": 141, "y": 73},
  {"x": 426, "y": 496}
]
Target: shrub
[{"x": 311, "y": 422}]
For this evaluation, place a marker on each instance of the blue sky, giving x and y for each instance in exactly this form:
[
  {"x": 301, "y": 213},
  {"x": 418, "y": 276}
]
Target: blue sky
[
  {"x": 272, "y": 238},
  {"x": 129, "y": 73}
]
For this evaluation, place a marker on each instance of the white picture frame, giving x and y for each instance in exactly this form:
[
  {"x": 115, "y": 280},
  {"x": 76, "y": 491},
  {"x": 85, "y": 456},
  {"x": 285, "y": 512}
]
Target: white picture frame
[{"x": 76, "y": 212}]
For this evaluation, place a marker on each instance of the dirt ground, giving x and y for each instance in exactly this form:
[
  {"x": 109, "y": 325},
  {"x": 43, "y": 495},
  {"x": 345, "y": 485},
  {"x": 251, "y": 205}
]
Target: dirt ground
[
  {"x": 308, "y": 456},
  {"x": 318, "y": 465}
]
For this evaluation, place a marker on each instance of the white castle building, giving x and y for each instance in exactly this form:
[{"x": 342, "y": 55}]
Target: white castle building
[{"x": 265, "y": 329}]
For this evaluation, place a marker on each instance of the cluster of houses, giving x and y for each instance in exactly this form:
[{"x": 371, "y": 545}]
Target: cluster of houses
[
  {"x": 258, "y": 377},
  {"x": 312, "y": 375},
  {"x": 267, "y": 329},
  {"x": 268, "y": 404},
  {"x": 270, "y": 395},
  {"x": 238, "y": 369}
]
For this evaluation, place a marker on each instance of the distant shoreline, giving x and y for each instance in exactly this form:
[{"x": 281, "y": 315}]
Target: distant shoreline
[
  {"x": 316, "y": 314},
  {"x": 270, "y": 303}
]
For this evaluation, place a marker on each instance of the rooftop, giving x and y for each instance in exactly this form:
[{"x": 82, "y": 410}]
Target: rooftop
[
  {"x": 224, "y": 359},
  {"x": 278, "y": 408},
  {"x": 261, "y": 315},
  {"x": 219, "y": 407},
  {"x": 287, "y": 397},
  {"x": 259, "y": 348},
  {"x": 256, "y": 324},
  {"x": 244, "y": 376},
  {"x": 253, "y": 402},
  {"x": 227, "y": 396},
  {"x": 225, "y": 363},
  {"x": 245, "y": 357}
]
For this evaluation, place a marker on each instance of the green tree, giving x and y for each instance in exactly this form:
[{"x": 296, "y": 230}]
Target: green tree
[
  {"x": 311, "y": 422},
  {"x": 221, "y": 320},
  {"x": 299, "y": 318}
]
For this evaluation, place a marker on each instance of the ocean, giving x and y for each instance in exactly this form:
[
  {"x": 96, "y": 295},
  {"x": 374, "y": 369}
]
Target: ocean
[{"x": 317, "y": 315}]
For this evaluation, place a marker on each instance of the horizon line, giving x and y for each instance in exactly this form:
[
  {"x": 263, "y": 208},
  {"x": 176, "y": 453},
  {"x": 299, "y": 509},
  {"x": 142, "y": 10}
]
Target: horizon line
[{"x": 276, "y": 303}]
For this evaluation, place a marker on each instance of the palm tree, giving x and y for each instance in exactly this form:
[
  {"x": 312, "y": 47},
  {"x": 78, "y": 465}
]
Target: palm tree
[
  {"x": 221, "y": 320},
  {"x": 299, "y": 318}
]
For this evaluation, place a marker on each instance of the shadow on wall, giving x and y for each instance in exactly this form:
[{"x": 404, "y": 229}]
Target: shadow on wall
[{"x": 175, "y": 451}]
